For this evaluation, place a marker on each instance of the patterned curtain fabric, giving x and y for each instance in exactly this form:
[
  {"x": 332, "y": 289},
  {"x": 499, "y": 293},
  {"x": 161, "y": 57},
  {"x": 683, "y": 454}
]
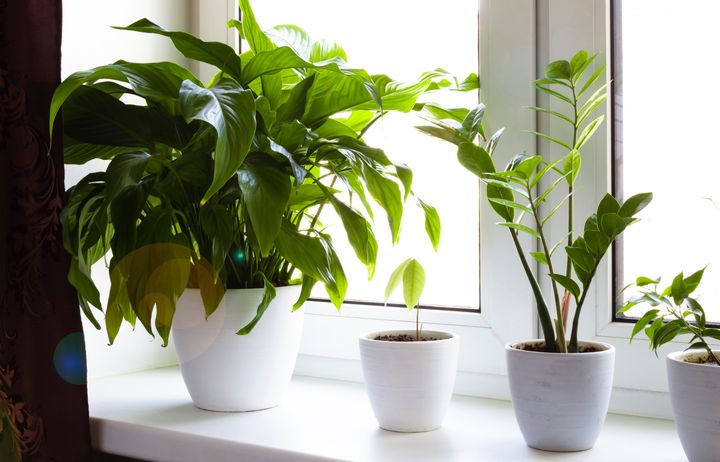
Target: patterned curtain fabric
[{"x": 43, "y": 397}]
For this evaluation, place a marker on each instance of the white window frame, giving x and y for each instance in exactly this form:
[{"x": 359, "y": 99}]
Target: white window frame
[
  {"x": 566, "y": 26},
  {"x": 329, "y": 346},
  {"x": 517, "y": 39}
]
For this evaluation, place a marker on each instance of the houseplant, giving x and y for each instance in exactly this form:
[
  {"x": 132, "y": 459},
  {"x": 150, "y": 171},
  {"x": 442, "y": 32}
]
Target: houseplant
[
  {"x": 693, "y": 374},
  {"x": 554, "y": 412},
  {"x": 409, "y": 374},
  {"x": 214, "y": 193}
]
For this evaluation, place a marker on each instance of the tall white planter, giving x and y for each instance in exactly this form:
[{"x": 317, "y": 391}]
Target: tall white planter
[
  {"x": 695, "y": 398},
  {"x": 561, "y": 399},
  {"x": 410, "y": 383},
  {"x": 228, "y": 372}
]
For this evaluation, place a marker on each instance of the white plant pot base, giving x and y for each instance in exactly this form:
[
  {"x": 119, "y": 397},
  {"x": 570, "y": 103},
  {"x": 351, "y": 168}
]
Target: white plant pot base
[
  {"x": 409, "y": 383},
  {"x": 227, "y": 372},
  {"x": 560, "y": 399},
  {"x": 695, "y": 398}
]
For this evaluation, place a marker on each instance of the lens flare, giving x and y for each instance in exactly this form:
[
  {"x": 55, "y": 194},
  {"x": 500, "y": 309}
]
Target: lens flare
[
  {"x": 69, "y": 359},
  {"x": 239, "y": 256}
]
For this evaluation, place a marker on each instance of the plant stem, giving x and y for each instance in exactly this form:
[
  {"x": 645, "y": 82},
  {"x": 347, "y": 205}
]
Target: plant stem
[
  {"x": 417, "y": 322},
  {"x": 561, "y": 343},
  {"x": 571, "y": 202},
  {"x": 320, "y": 208},
  {"x": 543, "y": 313}
]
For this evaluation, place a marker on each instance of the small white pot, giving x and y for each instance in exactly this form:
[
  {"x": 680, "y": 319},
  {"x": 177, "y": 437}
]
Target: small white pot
[
  {"x": 695, "y": 398},
  {"x": 410, "y": 383},
  {"x": 227, "y": 372},
  {"x": 560, "y": 399}
]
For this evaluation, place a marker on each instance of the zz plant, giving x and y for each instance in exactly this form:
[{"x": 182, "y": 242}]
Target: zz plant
[
  {"x": 673, "y": 311},
  {"x": 521, "y": 194},
  {"x": 224, "y": 185}
]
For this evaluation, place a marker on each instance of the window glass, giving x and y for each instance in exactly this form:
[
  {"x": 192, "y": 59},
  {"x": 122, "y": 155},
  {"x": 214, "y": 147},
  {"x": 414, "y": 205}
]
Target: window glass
[
  {"x": 665, "y": 105},
  {"x": 403, "y": 38}
]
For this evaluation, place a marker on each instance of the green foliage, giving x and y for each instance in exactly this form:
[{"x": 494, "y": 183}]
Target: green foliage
[
  {"x": 221, "y": 185},
  {"x": 673, "y": 312},
  {"x": 517, "y": 191}
]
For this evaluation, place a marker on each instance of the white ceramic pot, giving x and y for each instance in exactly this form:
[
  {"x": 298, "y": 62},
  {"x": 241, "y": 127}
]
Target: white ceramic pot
[
  {"x": 560, "y": 400},
  {"x": 410, "y": 383},
  {"x": 228, "y": 372},
  {"x": 695, "y": 398}
]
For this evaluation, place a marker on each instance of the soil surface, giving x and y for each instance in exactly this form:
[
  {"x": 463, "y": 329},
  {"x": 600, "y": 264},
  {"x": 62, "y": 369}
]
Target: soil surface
[
  {"x": 404, "y": 338},
  {"x": 700, "y": 360},
  {"x": 540, "y": 347}
]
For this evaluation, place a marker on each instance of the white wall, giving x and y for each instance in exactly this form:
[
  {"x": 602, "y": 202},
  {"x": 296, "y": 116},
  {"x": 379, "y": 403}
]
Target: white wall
[{"x": 88, "y": 41}]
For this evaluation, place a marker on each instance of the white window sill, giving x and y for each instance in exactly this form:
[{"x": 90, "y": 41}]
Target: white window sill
[{"x": 149, "y": 415}]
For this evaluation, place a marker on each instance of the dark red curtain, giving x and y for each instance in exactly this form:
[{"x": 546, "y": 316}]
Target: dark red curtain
[{"x": 43, "y": 397}]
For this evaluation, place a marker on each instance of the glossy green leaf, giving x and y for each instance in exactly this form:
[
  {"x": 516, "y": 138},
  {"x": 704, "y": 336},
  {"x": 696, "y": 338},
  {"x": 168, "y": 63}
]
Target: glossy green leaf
[
  {"x": 266, "y": 193},
  {"x": 635, "y": 204},
  {"x": 359, "y": 233},
  {"x": 395, "y": 278},
  {"x": 218, "y": 54},
  {"x": 386, "y": 193},
  {"x": 539, "y": 257},
  {"x": 268, "y": 296},
  {"x": 432, "y": 223},
  {"x": 413, "y": 283},
  {"x": 567, "y": 283},
  {"x": 230, "y": 109},
  {"x": 519, "y": 227},
  {"x": 314, "y": 258},
  {"x": 474, "y": 158}
]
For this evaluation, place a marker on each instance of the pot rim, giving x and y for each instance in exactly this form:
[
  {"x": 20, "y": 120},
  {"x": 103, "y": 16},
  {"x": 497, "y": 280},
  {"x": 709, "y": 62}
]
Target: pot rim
[
  {"x": 679, "y": 356},
  {"x": 607, "y": 349},
  {"x": 451, "y": 337}
]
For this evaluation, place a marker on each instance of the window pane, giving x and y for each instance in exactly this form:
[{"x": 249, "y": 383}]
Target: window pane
[
  {"x": 667, "y": 100},
  {"x": 403, "y": 38}
]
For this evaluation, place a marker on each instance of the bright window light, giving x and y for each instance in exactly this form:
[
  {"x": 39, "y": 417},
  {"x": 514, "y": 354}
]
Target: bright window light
[
  {"x": 403, "y": 38},
  {"x": 669, "y": 118}
]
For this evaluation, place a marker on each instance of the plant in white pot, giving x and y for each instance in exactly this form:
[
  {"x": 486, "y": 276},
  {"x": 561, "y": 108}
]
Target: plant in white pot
[
  {"x": 212, "y": 201},
  {"x": 693, "y": 374},
  {"x": 560, "y": 386},
  {"x": 409, "y": 374}
]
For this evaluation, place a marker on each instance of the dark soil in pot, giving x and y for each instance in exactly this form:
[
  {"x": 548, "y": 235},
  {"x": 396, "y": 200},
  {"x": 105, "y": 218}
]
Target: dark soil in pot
[
  {"x": 540, "y": 347},
  {"x": 404, "y": 338}
]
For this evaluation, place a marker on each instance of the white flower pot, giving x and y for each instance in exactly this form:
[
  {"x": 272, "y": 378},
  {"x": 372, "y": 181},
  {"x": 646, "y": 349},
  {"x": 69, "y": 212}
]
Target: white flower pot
[
  {"x": 410, "y": 383},
  {"x": 228, "y": 372},
  {"x": 695, "y": 398},
  {"x": 560, "y": 400}
]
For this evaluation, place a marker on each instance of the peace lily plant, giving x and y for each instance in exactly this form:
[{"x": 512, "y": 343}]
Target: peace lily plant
[
  {"x": 214, "y": 198},
  {"x": 567, "y": 413},
  {"x": 224, "y": 185}
]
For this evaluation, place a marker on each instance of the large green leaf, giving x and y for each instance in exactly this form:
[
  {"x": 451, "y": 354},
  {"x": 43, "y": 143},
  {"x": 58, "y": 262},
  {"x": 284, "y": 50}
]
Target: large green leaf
[
  {"x": 266, "y": 192},
  {"x": 216, "y": 221},
  {"x": 475, "y": 158},
  {"x": 155, "y": 276},
  {"x": 124, "y": 170},
  {"x": 218, "y": 54},
  {"x": 432, "y": 223},
  {"x": 268, "y": 297},
  {"x": 315, "y": 258},
  {"x": 386, "y": 193},
  {"x": 334, "y": 92},
  {"x": 359, "y": 232},
  {"x": 94, "y": 117},
  {"x": 157, "y": 82},
  {"x": 258, "y": 40},
  {"x": 230, "y": 109}
]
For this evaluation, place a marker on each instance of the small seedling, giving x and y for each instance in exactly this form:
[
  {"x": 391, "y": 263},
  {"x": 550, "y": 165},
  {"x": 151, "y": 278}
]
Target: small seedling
[
  {"x": 674, "y": 312},
  {"x": 412, "y": 275}
]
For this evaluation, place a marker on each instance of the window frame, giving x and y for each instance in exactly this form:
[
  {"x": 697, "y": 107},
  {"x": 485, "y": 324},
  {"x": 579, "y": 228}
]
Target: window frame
[
  {"x": 329, "y": 346},
  {"x": 517, "y": 38}
]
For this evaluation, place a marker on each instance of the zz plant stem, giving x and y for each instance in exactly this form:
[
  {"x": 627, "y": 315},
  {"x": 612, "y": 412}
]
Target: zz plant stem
[{"x": 510, "y": 191}]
